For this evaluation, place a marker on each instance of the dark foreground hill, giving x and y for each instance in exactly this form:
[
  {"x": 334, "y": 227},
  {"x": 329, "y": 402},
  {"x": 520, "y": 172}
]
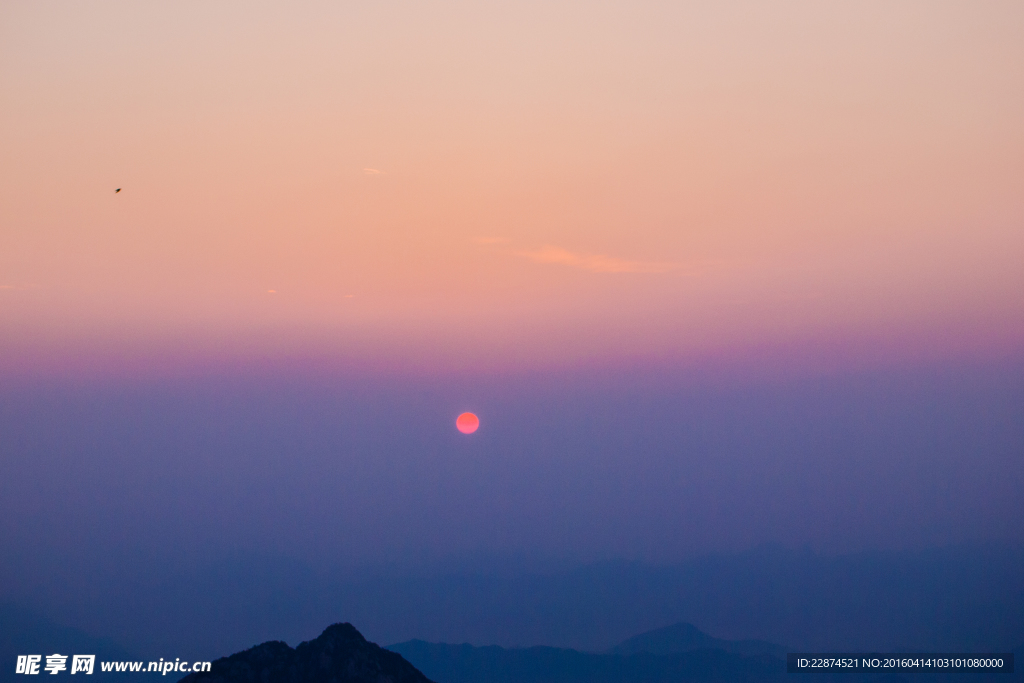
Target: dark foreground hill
[{"x": 339, "y": 655}]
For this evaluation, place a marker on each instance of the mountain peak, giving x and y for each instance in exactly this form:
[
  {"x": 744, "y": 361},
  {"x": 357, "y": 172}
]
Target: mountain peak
[
  {"x": 340, "y": 633},
  {"x": 338, "y": 655},
  {"x": 685, "y": 637},
  {"x": 679, "y": 637}
]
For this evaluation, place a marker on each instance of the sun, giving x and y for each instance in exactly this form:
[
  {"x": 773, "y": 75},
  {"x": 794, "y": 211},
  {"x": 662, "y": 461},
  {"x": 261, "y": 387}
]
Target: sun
[{"x": 467, "y": 423}]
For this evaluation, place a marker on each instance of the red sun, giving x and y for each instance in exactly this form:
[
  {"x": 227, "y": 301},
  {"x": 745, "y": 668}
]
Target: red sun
[{"x": 467, "y": 423}]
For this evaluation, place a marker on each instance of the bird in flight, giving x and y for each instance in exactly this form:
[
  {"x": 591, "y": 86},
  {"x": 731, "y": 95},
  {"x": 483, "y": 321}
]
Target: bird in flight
[{"x": 117, "y": 190}]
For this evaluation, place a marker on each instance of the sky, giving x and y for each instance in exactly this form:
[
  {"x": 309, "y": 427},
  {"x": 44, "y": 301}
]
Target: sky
[
  {"x": 477, "y": 185},
  {"x": 712, "y": 275}
]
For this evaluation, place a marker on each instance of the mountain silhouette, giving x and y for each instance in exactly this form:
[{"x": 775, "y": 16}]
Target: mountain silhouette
[
  {"x": 339, "y": 655},
  {"x": 680, "y": 652},
  {"x": 493, "y": 664},
  {"x": 684, "y": 637}
]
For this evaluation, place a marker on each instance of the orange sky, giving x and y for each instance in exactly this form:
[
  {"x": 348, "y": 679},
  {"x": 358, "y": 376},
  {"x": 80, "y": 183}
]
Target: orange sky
[{"x": 544, "y": 180}]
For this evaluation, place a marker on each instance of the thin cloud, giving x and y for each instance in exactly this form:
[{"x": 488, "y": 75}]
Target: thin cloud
[
  {"x": 595, "y": 263},
  {"x": 372, "y": 171}
]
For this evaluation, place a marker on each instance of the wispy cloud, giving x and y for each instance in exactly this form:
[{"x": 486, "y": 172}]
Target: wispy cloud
[
  {"x": 595, "y": 263},
  {"x": 372, "y": 171}
]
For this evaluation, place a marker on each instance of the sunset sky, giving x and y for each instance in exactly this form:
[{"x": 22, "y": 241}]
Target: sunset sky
[
  {"x": 494, "y": 183},
  {"x": 711, "y": 274}
]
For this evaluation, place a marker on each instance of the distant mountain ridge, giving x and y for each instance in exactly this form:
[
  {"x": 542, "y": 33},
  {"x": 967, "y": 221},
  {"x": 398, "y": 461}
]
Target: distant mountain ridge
[
  {"x": 674, "y": 653},
  {"x": 680, "y": 652},
  {"x": 339, "y": 655},
  {"x": 684, "y": 637},
  {"x": 467, "y": 664}
]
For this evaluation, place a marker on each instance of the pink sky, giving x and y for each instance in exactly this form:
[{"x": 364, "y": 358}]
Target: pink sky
[{"x": 509, "y": 182}]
